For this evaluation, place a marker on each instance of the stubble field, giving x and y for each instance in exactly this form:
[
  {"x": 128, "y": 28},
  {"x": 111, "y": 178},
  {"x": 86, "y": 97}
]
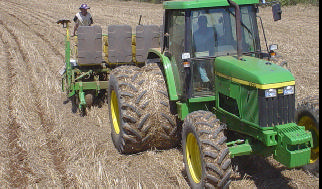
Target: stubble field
[{"x": 43, "y": 144}]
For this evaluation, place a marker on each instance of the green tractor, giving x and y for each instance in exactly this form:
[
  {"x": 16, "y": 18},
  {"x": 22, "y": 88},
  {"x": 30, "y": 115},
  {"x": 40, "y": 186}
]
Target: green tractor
[
  {"x": 201, "y": 80},
  {"x": 212, "y": 88}
]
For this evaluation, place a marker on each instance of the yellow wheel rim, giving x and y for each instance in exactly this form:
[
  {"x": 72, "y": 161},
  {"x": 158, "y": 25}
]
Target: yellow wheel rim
[
  {"x": 115, "y": 112},
  {"x": 310, "y": 125},
  {"x": 193, "y": 158}
]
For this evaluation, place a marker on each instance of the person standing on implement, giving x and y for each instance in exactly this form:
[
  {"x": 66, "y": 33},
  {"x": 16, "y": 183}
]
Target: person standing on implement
[{"x": 82, "y": 18}]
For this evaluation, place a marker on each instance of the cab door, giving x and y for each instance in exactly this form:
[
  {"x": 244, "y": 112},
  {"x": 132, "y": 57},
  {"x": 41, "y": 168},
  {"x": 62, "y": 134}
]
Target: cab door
[{"x": 174, "y": 44}]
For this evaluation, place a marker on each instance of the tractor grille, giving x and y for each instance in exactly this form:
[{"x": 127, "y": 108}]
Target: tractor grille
[{"x": 275, "y": 110}]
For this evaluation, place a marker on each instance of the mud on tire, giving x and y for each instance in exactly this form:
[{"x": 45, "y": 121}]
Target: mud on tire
[
  {"x": 307, "y": 114},
  {"x": 205, "y": 153},
  {"x": 139, "y": 110}
]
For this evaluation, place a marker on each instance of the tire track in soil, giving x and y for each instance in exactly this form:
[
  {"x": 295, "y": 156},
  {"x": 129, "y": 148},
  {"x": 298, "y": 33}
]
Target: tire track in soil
[
  {"x": 18, "y": 167},
  {"x": 40, "y": 18},
  {"x": 41, "y": 36},
  {"x": 57, "y": 152},
  {"x": 41, "y": 15}
]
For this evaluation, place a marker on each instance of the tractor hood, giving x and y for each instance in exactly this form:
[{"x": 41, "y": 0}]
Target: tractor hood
[{"x": 253, "y": 71}]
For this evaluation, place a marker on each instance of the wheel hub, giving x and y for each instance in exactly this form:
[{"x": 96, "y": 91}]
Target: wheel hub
[
  {"x": 115, "y": 112},
  {"x": 193, "y": 158},
  {"x": 310, "y": 125}
]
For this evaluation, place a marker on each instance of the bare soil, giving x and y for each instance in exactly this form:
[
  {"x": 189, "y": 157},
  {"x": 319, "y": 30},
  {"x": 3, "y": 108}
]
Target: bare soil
[{"x": 43, "y": 144}]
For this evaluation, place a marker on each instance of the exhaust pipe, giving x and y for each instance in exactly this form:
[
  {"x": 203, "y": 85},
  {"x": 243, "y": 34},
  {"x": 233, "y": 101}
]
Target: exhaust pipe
[{"x": 238, "y": 28}]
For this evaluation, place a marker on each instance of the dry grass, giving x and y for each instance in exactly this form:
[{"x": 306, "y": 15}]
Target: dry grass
[{"x": 43, "y": 144}]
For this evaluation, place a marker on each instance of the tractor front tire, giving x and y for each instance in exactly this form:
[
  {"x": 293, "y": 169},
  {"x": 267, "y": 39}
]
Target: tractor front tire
[
  {"x": 139, "y": 110},
  {"x": 307, "y": 115},
  {"x": 205, "y": 153}
]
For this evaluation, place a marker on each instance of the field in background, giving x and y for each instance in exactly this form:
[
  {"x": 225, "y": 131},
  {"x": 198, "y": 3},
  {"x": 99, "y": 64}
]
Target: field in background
[{"x": 43, "y": 144}]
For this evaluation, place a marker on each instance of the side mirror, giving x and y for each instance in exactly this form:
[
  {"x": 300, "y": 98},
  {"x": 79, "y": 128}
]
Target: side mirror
[{"x": 277, "y": 12}]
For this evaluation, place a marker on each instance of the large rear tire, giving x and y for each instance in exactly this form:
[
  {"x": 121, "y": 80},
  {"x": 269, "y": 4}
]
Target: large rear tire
[
  {"x": 139, "y": 110},
  {"x": 205, "y": 153},
  {"x": 307, "y": 114}
]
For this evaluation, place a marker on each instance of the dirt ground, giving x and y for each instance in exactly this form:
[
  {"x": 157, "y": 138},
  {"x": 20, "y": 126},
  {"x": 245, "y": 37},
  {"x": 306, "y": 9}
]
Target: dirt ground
[{"x": 43, "y": 144}]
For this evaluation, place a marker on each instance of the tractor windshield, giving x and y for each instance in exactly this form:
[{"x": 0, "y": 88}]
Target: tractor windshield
[{"x": 214, "y": 31}]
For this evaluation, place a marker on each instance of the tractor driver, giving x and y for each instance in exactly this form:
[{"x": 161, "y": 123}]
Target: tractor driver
[
  {"x": 83, "y": 18},
  {"x": 204, "y": 44}
]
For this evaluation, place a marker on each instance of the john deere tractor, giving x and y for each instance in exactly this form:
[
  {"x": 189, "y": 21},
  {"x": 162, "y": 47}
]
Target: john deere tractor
[
  {"x": 202, "y": 80},
  {"x": 211, "y": 86}
]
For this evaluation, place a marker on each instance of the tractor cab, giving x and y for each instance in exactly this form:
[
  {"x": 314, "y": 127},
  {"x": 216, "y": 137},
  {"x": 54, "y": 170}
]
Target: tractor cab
[
  {"x": 202, "y": 34},
  {"x": 213, "y": 31}
]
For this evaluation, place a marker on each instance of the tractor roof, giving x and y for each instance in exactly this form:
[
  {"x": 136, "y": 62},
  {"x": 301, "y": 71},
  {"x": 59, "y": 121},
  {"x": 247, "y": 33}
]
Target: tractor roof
[{"x": 203, "y": 3}]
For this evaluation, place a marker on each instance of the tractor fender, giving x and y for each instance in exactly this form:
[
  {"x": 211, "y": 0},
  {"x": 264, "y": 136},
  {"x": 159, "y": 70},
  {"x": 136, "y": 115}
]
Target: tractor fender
[{"x": 155, "y": 56}]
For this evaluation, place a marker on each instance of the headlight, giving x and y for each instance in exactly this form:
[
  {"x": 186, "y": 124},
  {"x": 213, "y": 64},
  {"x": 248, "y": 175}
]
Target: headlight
[
  {"x": 270, "y": 93},
  {"x": 289, "y": 90},
  {"x": 273, "y": 47}
]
